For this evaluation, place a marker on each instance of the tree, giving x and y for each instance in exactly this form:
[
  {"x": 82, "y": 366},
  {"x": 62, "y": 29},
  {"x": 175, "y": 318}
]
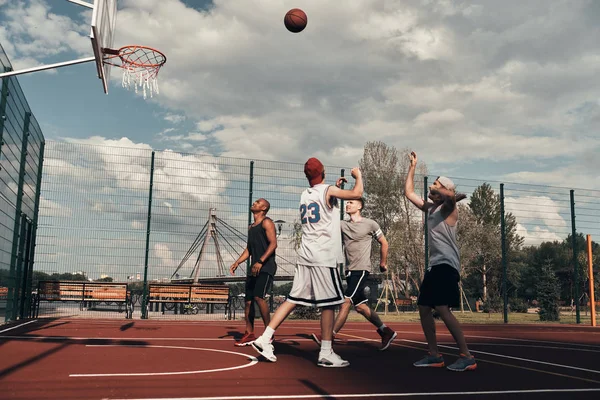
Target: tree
[
  {"x": 485, "y": 250},
  {"x": 548, "y": 293},
  {"x": 384, "y": 170}
]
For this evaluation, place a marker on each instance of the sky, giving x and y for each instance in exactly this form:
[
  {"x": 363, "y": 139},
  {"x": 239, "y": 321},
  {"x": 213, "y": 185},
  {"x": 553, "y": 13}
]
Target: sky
[
  {"x": 486, "y": 90},
  {"x": 480, "y": 89}
]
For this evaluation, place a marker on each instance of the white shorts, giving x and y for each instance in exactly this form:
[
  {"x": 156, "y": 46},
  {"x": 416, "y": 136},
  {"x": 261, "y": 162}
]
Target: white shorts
[{"x": 316, "y": 286}]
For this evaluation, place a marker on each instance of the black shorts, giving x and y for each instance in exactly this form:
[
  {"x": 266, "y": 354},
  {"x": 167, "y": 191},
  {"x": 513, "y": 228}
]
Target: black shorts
[
  {"x": 356, "y": 282},
  {"x": 440, "y": 287},
  {"x": 258, "y": 286}
]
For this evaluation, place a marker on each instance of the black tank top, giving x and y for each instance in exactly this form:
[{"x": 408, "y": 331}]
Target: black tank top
[{"x": 257, "y": 246}]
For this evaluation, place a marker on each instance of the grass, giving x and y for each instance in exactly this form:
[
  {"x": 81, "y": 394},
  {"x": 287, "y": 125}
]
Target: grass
[{"x": 566, "y": 318}]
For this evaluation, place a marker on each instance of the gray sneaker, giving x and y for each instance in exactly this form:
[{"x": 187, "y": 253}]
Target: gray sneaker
[
  {"x": 464, "y": 363},
  {"x": 430, "y": 361},
  {"x": 329, "y": 359}
]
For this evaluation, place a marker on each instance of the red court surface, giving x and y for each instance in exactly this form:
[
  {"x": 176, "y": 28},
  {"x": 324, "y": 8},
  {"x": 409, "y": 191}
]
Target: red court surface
[{"x": 145, "y": 359}]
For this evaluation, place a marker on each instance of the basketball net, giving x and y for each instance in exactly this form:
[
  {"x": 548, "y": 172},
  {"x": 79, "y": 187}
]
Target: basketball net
[{"x": 140, "y": 66}]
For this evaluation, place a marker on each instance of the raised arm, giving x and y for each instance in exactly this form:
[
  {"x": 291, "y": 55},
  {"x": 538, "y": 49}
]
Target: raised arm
[
  {"x": 409, "y": 185},
  {"x": 355, "y": 193}
]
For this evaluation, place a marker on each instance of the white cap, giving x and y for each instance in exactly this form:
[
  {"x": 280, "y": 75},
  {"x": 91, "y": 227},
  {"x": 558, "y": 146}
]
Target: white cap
[{"x": 446, "y": 182}]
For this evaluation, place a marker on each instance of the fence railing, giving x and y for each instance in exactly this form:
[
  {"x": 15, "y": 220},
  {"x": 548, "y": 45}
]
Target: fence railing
[
  {"x": 21, "y": 154},
  {"x": 140, "y": 215}
]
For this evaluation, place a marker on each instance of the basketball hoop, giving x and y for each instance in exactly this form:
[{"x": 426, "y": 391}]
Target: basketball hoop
[{"x": 140, "y": 66}]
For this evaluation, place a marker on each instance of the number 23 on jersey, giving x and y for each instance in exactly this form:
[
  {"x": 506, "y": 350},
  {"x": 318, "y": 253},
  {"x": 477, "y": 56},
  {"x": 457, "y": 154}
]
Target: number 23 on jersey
[{"x": 310, "y": 213}]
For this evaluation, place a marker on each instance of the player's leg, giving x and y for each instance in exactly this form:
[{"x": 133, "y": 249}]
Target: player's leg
[
  {"x": 249, "y": 313},
  {"x": 263, "y": 285},
  {"x": 428, "y": 326},
  {"x": 342, "y": 316},
  {"x": 327, "y": 289},
  {"x": 454, "y": 327},
  {"x": 387, "y": 334},
  {"x": 299, "y": 294},
  {"x": 449, "y": 296},
  {"x": 426, "y": 301}
]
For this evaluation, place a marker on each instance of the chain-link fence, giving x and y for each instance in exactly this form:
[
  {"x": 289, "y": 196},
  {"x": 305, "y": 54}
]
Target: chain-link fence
[
  {"x": 139, "y": 216},
  {"x": 21, "y": 154}
]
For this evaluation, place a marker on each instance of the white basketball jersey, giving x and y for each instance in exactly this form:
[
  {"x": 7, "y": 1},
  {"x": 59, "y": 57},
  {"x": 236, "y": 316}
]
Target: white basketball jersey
[{"x": 321, "y": 243}]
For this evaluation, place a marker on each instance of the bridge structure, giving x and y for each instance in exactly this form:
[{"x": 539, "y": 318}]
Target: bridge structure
[{"x": 221, "y": 238}]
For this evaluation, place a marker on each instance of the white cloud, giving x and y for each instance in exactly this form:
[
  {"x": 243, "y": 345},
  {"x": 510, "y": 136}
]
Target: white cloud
[
  {"x": 175, "y": 118},
  {"x": 537, "y": 235},
  {"x": 463, "y": 83}
]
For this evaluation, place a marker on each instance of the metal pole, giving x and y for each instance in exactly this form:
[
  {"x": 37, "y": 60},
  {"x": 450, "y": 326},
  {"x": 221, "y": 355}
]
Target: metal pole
[
  {"x": 575, "y": 264},
  {"x": 48, "y": 66},
  {"x": 250, "y": 194},
  {"x": 82, "y": 3},
  {"x": 503, "y": 243},
  {"x": 145, "y": 288},
  {"x": 26, "y": 261},
  {"x": 341, "y": 265},
  {"x": 591, "y": 280},
  {"x": 3, "y": 102},
  {"x": 426, "y": 227},
  {"x": 13, "y": 281},
  {"x": 36, "y": 210}
]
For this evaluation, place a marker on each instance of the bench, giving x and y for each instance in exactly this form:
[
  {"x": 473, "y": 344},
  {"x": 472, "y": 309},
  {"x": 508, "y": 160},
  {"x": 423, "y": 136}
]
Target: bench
[
  {"x": 405, "y": 304},
  {"x": 169, "y": 295},
  {"x": 84, "y": 293},
  {"x": 3, "y": 293}
]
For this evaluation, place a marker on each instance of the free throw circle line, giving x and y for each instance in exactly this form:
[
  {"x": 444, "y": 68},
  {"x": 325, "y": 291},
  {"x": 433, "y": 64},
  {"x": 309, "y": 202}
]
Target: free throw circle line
[{"x": 253, "y": 360}]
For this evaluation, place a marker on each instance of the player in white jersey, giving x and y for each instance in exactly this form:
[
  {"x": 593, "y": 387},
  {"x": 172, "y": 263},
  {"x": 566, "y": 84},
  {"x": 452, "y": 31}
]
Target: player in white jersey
[{"x": 316, "y": 280}]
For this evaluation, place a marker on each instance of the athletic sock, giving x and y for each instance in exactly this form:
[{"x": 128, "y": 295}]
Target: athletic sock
[
  {"x": 268, "y": 333},
  {"x": 382, "y": 327},
  {"x": 326, "y": 346}
]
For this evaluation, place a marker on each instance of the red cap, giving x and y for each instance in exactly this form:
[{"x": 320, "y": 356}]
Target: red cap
[{"x": 313, "y": 169}]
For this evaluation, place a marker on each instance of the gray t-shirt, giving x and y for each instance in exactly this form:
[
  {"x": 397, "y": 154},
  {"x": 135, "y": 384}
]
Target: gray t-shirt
[
  {"x": 443, "y": 248},
  {"x": 357, "y": 237}
]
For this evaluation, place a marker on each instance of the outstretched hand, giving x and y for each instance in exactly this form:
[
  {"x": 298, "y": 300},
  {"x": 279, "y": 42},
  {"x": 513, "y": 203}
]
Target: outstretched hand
[
  {"x": 413, "y": 159},
  {"x": 340, "y": 180}
]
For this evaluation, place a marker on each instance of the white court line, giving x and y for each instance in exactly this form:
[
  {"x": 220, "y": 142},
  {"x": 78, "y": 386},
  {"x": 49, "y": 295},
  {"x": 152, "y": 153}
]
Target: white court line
[
  {"x": 30, "y": 337},
  {"x": 529, "y": 346},
  {"x": 513, "y": 358},
  {"x": 17, "y": 326},
  {"x": 374, "y": 395},
  {"x": 253, "y": 360},
  {"x": 488, "y": 337}
]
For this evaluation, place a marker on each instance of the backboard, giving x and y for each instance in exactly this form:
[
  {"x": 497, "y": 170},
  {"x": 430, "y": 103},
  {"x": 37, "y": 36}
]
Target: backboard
[{"x": 104, "y": 18}]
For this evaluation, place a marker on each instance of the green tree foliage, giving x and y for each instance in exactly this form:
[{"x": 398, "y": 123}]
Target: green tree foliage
[
  {"x": 548, "y": 293},
  {"x": 384, "y": 170},
  {"x": 482, "y": 233}
]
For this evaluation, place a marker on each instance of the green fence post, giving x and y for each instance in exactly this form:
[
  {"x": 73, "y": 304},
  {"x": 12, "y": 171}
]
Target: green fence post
[
  {"x": 341, "y": 265},
  {"x": 575, "y": 264},
  {"x": 14, "y": 281},
  {"x": 425, "y": 227},
  {"x": 503, "y": 244},
  {"x": 250, "y": 194},
  {"x": 3, "y": 102},
  {"x": 26, "y": 261},
  {"x": 145, "y": 288},
  {"x": 36, "y": 210}
]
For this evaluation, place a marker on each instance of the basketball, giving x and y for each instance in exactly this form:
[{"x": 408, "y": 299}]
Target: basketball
[{"x": 295, "y": 20}]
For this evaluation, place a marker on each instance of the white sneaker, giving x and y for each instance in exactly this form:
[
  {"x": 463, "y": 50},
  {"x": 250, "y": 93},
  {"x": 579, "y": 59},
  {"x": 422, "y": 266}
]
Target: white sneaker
[
  {"x": 331, "y": 360},
  {"x": 264, "y": 348}
]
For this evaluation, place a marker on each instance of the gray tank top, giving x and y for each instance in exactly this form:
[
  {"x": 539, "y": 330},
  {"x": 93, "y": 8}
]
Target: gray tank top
[{"x": 443, "y": 248}]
